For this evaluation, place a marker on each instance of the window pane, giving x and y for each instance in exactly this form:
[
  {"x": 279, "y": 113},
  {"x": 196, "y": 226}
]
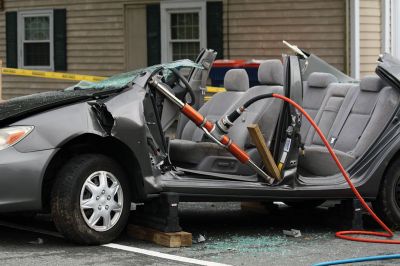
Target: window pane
[
  {"x": 185, "y": 50},
  {"x": 36, "y": 54},
  {"x": 185, "y": 26},
  {"x": 174, "y": 32},
  {"x": 37, "y": 28}
]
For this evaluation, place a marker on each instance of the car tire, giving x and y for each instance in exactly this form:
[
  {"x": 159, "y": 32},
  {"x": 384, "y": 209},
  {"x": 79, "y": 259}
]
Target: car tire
[
  {"x": 77, "y": 203},
  {"x": 387, "y": 204},
  {"x": 304, "y": 204}
]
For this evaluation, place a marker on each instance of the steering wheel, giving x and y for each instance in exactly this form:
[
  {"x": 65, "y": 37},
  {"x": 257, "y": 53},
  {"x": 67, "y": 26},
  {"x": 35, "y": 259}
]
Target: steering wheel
[{"x": 186, "y": 84}]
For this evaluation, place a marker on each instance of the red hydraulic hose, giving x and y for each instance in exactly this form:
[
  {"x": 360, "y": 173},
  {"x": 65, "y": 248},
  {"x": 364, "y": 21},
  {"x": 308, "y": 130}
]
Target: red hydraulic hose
[{"x": 348, "y": 234}]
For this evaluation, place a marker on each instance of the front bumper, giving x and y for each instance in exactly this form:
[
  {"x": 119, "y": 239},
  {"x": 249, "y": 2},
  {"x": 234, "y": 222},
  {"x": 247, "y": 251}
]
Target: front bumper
[{"x": 21, "y": 176}]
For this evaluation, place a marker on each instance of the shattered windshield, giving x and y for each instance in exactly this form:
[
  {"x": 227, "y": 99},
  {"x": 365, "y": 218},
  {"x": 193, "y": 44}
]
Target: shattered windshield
[
  {"x": 124, "y": 79},
  {"x": 19, "y": 107}
]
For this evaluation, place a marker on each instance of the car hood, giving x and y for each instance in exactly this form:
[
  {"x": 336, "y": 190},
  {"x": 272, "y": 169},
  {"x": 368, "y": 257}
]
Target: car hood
[{"x": 20, "y": 107}]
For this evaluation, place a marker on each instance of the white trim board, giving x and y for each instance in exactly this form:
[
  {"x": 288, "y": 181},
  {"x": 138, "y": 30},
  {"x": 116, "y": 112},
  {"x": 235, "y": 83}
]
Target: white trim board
[
  {"x": 395, "y": 22},
  {"x": 355, "y": 38},
  {"x": 385, "y": 26}
]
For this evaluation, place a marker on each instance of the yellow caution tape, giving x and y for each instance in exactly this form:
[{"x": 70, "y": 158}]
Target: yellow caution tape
[
  {"x": 50, "y": 75},
  {"x": 212, "y": 89},
  {"x": 77, "y": 77}
]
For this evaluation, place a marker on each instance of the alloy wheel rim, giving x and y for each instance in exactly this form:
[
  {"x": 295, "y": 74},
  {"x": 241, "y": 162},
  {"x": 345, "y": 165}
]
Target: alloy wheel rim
[{"x": 101, "y": 201}]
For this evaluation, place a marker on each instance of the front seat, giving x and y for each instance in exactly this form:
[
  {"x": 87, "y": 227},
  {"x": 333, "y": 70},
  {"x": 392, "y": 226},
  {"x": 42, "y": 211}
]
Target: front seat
[
  {"x": 236, "y": 83},
  {"x": 193, "y": 152}
]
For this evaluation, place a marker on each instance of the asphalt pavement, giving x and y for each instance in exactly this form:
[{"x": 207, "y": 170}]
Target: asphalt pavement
[{"x": 228, "y": 235}]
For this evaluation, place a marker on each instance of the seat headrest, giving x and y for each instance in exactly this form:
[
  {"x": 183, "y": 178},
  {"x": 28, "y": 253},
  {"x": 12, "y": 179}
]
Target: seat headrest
[
  {"x": 236, "y": 80},
  {"x": 320, "y": 79},
  {"x": 371, "y": 83},
  {"x": 270, "y": 72}
]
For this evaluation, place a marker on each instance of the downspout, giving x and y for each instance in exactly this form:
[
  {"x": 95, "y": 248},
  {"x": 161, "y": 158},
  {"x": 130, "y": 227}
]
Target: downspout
[
  {"x": 396, "y": 28},
  {"x": 227, "y": 31},
  {"x": 346, "y": 37},
  {"x": 355, "y": 38},
  {"x": 385, "y": 26}
]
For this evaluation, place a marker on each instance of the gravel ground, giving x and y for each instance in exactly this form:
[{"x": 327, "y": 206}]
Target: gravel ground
[{"x": 232, "y": 236}]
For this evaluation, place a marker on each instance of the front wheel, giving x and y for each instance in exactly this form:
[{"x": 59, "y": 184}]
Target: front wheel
[
  {"x": 90, "y": 200},
  {"x": 387, "y": 204}
]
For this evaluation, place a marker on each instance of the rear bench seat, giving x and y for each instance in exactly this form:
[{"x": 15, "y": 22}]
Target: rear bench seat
[
  {"x": 351, "y": 118},
  {"x": 193, "y": 152},
  {"x": 314, "y": 91}
]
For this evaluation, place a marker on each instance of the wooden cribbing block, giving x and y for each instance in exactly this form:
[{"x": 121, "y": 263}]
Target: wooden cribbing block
[
  {"x": 171, "y": 240},
  {"x": 268, "y": 159}
]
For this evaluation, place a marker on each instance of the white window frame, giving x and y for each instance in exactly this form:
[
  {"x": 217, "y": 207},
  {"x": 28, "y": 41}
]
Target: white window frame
[
  {"x": 21, "y": 37},
  {"x": 168, "y": 7}
]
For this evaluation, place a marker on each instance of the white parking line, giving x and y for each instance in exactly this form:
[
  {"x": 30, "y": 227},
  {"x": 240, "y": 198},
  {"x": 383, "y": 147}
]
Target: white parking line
[
  {"x": 163, "y": 255},
  {"x": 117, "y": 246}
]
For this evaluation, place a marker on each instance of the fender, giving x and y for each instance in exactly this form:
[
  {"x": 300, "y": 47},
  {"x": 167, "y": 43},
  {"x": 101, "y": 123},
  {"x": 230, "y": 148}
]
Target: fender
[
  {"x": 55, "y": 127},
  {"x": 58, "y": 126}
]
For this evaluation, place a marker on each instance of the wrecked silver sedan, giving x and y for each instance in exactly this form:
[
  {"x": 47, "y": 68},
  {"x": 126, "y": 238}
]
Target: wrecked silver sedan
[{"x": 86, "y": 153}]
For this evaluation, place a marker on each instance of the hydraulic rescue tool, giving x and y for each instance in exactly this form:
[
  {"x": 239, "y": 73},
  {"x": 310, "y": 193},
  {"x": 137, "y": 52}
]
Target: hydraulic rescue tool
[
  {"x": 212, "y": 130},
  {"x": 292, "y": 142}
]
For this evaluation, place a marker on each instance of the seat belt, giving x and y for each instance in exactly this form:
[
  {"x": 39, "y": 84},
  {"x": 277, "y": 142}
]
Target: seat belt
[
  {"x": 343, "y": 120},
  {"x": 203, "y": 84},
  {"x": 370, "y": 116}
]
